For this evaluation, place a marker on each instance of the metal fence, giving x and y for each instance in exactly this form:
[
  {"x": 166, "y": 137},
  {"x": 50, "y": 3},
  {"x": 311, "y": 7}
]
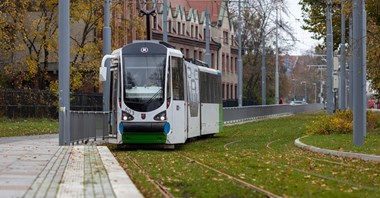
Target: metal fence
[
  {"x": 88, "y": 125},
  {"x": 241, "y": 114},
  {"x": 43, "y": 103}
]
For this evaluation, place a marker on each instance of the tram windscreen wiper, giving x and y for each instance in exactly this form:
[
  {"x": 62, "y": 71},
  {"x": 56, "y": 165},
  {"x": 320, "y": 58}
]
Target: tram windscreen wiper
[{"x": 153, "y": 97}]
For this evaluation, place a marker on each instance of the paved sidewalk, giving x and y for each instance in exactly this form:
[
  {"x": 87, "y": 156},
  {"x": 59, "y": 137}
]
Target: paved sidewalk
[{"x": 37, "y": 167}]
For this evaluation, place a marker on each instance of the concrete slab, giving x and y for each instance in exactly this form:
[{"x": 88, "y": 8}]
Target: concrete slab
[{"x": 37, "y": 166}]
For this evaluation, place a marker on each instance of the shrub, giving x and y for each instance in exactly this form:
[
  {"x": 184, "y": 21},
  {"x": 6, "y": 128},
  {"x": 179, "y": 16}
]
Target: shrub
[{"x": 340, "y": 122}]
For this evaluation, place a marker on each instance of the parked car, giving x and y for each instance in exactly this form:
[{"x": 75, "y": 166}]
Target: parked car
[{"x": 297, "y": 102}]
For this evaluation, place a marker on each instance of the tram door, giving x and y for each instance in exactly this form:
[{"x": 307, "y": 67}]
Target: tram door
[
  {"x": 113, "y": 96},
  {"x": 178, "y": 108},
  {"x": 193, "y": 105}
]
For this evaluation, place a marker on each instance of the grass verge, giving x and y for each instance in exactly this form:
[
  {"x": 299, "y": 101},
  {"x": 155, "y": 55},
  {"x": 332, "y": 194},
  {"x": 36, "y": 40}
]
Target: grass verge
[
  {"x": 26, "y": 127},
  {"x": 260, "y": 153},
  {"x": 344, "y": 142}
]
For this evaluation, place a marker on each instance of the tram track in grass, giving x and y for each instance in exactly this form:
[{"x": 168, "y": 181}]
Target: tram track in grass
[
  {"x": 261, "y": 154},
  {"x": 235, "y": 179},
  {"x": 162, "y": 189}
]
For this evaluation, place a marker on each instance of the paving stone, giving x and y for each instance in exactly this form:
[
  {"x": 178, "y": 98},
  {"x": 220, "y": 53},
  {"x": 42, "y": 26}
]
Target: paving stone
[{"x": 37, "y": 166}]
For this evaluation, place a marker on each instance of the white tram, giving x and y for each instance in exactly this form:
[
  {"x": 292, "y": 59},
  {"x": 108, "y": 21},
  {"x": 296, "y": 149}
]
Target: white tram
[{"x": 158, "y": 97}]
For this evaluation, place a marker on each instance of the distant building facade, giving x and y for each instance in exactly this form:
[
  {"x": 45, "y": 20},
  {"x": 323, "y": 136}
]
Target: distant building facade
[{"x": 186, "y": 27}]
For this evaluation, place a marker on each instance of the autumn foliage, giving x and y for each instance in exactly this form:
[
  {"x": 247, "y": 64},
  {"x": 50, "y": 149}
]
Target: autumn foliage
[{"x": 340, "y": 123}]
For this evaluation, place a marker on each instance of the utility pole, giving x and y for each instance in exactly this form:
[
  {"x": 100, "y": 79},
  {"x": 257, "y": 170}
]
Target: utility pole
[
  {"x": 351, "y": 66},
  {"x": 364, "y": 73},
  {"x": 240, "y": 65},
  {"x": 263, "y": 71},
  {"x": 64, "y": 71},
  {"x": 208, "y": 54},
  {"x": 165, "y": 21},
  {"x": 106, "y": 50},
  {"x": 329, "y": 56},
  {"x": 276, "y": 72},
  {"x": 342, "y": 72},
  {"x": 358, "y": 72}
]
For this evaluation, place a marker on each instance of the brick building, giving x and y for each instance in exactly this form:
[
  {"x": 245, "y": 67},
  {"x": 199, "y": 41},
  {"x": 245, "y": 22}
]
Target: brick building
[{"x": 186, "y": 31}]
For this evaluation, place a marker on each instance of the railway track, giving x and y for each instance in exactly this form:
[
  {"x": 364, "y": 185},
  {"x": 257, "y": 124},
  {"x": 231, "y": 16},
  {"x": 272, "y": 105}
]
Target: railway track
[
  {"x": 232, "y": 178},
  {"x": 162, "y": 189},
  {"x": 166, "y": 193},
  {"x": 323, "y": 160}
]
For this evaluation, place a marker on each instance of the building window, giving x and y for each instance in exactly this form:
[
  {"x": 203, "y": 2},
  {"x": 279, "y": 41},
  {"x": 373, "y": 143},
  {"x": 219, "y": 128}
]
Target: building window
[
  {"x": 195, "y": 54},
  {"x": 179, "y": 28},
  {"x": 187, "y": 53},
  {"x": 200, "y": 57},
  {"x": 170, "y": 26},
  {"x": 236, "y": 92},
  {"x": 232, "y": 40},
  {"x": 225, "y": 37},
  {"x": 155, "y": 22},
  {"x": 192, "y": 31},
  {"x": 232, "y": 92},
  {"x": 236, "y": 65},
  {"x": 223, "y": 97},
  {"x": 182, "y": 50},
  {"x": 196, "y": 32},
  {"x": 204, "y": 34},
  {"x": 183, "y": 29},
  {"x": 227, "y": 63},
  {"x": 232, "y": 65},
  {"x": 228, "y": 92},
  {"x": 212, "y": 61},
  {"x": 223, "y": 62}
]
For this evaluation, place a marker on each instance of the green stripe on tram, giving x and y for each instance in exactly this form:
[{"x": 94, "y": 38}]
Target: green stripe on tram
[{"x": 141, "y": 138}]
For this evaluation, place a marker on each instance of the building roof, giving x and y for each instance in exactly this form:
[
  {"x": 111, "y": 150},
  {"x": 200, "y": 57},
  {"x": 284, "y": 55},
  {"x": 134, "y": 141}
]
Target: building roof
[{"x": 200, "y": 5}]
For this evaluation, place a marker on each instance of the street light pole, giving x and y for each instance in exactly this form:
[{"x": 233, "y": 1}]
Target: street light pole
[
  {"x": 64, "y": 71},
  {"x": 342, "y": 72},
  {"x": 329, "y": 56}
]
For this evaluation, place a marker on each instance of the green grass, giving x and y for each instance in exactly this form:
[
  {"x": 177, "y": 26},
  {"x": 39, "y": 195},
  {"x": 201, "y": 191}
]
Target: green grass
[
  {"x": 261, "y": 153},
  {"x": 26, "y": 127},
  {"x": 344, "y": 142}
]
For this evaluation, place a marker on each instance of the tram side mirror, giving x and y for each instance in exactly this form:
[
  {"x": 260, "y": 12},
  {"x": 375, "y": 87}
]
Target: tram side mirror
[{"x": 103, "y": 74}]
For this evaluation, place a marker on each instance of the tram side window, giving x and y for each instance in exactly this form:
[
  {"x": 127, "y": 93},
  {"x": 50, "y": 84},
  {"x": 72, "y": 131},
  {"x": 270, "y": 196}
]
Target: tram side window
[
  {"x": 209, "y": 88},
  {"x": 177, "y": 78},
  {"x": 202, "y": 87}
]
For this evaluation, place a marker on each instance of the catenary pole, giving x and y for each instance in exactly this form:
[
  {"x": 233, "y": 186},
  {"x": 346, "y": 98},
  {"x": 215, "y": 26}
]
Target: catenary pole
[
  {"x": 239, "y": 61},
  {"x": 329, "y": 56},
  {"x": 364, "y": 73},
  {"x": 64, "y": 71},
  {"x": 342, "y": 71},
  {"x": 350, "y": 66},
  {"x": 106, "y": 50},
  {"x": 358, "y": 136}
]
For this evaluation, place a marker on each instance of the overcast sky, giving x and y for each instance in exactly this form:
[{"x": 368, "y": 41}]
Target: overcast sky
[{"x": 305, "y": 42}]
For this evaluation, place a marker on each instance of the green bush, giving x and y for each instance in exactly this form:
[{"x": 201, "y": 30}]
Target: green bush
[{"x": 340, "y": 123}]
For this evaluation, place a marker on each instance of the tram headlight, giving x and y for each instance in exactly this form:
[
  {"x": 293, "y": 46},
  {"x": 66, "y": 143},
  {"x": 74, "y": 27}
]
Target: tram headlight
[
  {"x": 161, "y": 116},
  {"x": 126, "y": 116}
]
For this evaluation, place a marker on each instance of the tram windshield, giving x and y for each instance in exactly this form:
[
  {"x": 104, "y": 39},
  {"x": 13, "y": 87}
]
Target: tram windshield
[{"x": 144, "y": 82}]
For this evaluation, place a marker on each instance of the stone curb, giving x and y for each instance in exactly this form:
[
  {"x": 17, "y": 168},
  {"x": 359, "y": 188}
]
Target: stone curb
[
  {"x": 366, "y": 157},
  {"x": 121, "y": 183}
]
